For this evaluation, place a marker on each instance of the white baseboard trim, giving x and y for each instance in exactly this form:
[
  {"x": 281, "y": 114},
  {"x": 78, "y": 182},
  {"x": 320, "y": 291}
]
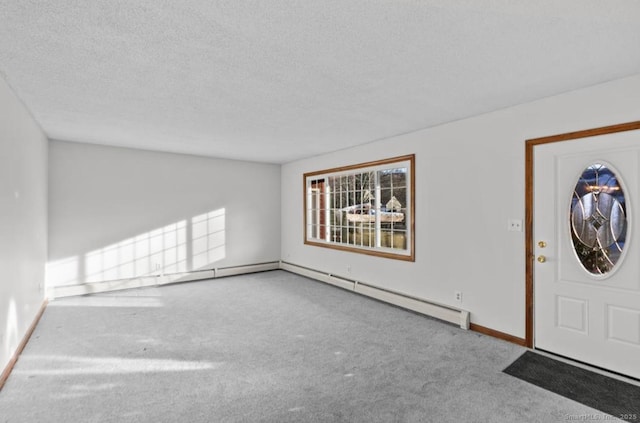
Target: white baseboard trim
[
  {"x": 430, "y": 308},
  {"x": 242, "y": 270},
  {"x": 146, "y": 281}
]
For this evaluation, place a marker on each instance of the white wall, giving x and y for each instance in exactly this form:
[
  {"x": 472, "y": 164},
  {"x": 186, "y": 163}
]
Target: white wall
[
  {"x": 23, "y": 225},
  {"x": 469, "y": 182},
  {"x": 117, "y": 213}
]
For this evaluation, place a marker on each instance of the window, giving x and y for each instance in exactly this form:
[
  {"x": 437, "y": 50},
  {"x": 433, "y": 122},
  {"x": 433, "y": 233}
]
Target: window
[
  {"x": 598, "y": 219},
  {"x": 366, "y": 208}
]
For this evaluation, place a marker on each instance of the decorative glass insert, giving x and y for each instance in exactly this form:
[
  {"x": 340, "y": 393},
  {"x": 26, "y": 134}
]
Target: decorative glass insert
[{"x": 598, "y": 219}]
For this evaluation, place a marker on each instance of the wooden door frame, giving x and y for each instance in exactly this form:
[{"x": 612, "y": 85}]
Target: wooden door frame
[{"x": 530, "y": 144}]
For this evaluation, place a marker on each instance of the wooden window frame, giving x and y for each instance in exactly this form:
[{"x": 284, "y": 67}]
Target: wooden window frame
[{"x": 405, "y": 255}]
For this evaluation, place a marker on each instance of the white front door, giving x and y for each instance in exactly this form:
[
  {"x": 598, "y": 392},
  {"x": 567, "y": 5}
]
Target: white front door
[{"x": 587, "y": 250}]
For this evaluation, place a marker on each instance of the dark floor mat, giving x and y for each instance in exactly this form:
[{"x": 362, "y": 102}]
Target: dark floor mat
[{"x": 609, "y": 395}]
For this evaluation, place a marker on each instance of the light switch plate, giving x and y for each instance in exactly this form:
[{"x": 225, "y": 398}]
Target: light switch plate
[{"x": 514, "y": 225}]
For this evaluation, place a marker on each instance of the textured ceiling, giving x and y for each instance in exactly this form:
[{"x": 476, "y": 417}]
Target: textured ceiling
[{"x": 279, "y": 80}]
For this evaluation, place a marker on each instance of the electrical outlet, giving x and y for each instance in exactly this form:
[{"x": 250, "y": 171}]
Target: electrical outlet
[
  {"x": 349, "y": 269},
  {"x": 458, "y": 296}
]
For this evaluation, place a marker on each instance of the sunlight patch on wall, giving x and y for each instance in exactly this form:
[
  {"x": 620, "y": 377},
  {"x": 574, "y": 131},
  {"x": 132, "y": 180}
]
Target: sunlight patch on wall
[
  {"x": 62, "y": 272},
  {"x": 208, "y": 232},
  {"x": 157, "y": 252},
  {"x": 191, "y": 244}
]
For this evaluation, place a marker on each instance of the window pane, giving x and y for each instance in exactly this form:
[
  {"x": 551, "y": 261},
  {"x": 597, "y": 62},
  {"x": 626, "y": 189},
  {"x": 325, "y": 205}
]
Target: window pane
[
  {"x": 394, "y": 239},
  {"x": 399, "y": 177}
]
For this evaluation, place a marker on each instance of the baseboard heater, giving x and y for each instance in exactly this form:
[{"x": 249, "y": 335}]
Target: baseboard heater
[
  {"x": 157, "y": 280},
  {"x": 439, "y": 311}
]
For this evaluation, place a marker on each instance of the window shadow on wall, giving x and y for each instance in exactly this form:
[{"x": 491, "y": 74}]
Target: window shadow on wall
[{"x": 190, "y": 244}]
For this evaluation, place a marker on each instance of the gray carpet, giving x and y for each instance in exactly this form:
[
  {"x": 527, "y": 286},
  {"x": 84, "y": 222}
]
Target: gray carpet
[{"x": 268, "y": 347}]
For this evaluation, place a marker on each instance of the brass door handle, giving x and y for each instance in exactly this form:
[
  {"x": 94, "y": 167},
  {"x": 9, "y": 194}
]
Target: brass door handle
[
  {"x": 542, "y": 244},
  {"x": 542, "y": 259}
]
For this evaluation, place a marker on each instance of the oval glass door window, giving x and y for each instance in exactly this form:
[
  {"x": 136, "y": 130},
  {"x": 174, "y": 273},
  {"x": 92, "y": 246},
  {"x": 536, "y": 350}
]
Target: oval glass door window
[{"x": 598, "y": 219}]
